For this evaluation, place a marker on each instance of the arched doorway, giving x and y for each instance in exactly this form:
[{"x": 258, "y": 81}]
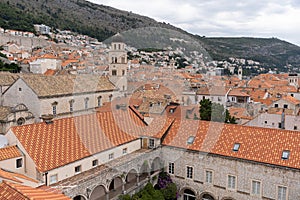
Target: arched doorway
[
  {"x": 79, "y": 197},
  {"x": 189, "y": 195},
  {"x": 131, "y": 179},
  {"x": 144, "y": 171},
  {"x": 115, "y": 187},
  {"x": 98, "y": 193},
  {"x": 156, "y": 165}
]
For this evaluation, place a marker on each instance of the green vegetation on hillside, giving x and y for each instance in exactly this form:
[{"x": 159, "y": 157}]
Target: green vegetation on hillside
[{"x": 101, "y": 22}]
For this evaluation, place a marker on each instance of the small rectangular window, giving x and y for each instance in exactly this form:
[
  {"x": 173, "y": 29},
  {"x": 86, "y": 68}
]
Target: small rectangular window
[
  {"x": 19, "y": 163},
  {"x": 282, "y": 193},
  {"x": 171, "y": 168},
  {"x": 255, "y": 187},
  {"x": 279, "y": 125},
  {"x": 94, "y": 163},
  {"x": 114, "y": 72},
  {"x": 111, "y": 156},
  {"x": 231, "y": 182},
  {"x": 20, "y": 89},
  {"x": 151, "y": 143},
  {"x": 285, "y": 106},
  {"x": 78, "y": 169},
  {"x": 276, "y": 105},
  {"x": 190, "y": 140},
  {"x": 285, "y": 155},
  {"x": 208, "y": 176},
  {"x": 236, "y": 147},
  {"x": 54, "y": 110},
  {"x": 124, "y": 151},
  {"x": 295, "y": 128},
  {"x": 189, "y": 172},
  {"x": 53, "y": 179}
]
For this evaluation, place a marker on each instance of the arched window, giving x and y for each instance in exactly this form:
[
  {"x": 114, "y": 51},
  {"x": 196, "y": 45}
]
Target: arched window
[
  {"x": 99, "y": 101},
  {"x": 71, "y": 105},
  {"x": 86, "y": 103}
]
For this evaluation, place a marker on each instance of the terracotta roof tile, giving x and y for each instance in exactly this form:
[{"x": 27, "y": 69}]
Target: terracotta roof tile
[
  {"x": 256, "y": 144},
  {"x": 9, "y": 152},
  {"x": 16, "y": 177},
  {"x": 70, "y": 139},
  {"x": 45, "y": 86},
  {"x": 14, "y": 191}
]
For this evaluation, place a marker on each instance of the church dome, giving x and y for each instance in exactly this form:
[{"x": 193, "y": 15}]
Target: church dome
[{"x": 118, "y": 38}]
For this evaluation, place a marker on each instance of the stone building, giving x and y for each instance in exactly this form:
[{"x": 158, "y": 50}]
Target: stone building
[
  {"x": 59, "y": 96},
  {"x": 108, "y": 153}
]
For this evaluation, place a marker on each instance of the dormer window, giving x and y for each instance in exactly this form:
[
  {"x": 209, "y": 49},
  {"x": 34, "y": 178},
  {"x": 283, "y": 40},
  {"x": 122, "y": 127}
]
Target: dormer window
[
  {"x": 285, "y": 155},
  {"x": 236, "y": 147},
  {"x": 191, "y": 140}
]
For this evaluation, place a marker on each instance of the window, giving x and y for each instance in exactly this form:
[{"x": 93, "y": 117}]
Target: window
[
  {"x": 295, "y": 127},
  {"x": 171, "y": 168},
  {"x": 123, "y": 72},
  {"x": 151, "y": 143},
  {"x": 266, "y": 122},
  {"x": 189, "y": 172},
  {"x": 282, "y": 193},
  {"x": 231, "y": 182},
  {"x": 94, "y": 163},
  {"x": 99, "y": 101},
  {"x": 279, "y": 125},
  {"x": 285, "y": 155},
  {"x": 19, "y": 163},
  {"x": 114, "y": 72},
  {"x": 86, "y": 103},
  {"x": 292, "y": 95},
  {"x": 53, "y": 179},
  {"x": 111, "y": 156},
  {"x": 285, "y": 106},
  {"x": 20, "y": 89},
  {"x": 276, "y": 105},
  {"x": 125, "y": 151},
  {"x": 110, "y": 97},
  {"x": 71, "y": 105},
  {"x": 190, "y": 140},
  {"x": 78, "y": 169},
  {"x": 219, "y": 99},
  {"x": 255, "y": 190},
  {"x": 208, "y": 176},
  {"x": 54, "y": 109},
  {"x": 236, "y": 147}
]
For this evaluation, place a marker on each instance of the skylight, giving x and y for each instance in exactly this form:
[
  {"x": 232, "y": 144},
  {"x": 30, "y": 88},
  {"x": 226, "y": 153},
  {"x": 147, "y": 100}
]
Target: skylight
[
  {"x": 285, "y": 155},
  {"x": 236, "y": 147},
  {"x": 191, "y": 140}
]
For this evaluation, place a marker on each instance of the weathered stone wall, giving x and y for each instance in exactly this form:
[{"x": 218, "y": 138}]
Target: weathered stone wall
[
  {"x": 270, "y": 177},
  {"x": 26, "y": 42}
]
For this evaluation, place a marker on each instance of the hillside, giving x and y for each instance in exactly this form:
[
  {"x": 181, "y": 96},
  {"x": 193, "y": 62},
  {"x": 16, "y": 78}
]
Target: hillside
[{"x": 101, "y": 22}]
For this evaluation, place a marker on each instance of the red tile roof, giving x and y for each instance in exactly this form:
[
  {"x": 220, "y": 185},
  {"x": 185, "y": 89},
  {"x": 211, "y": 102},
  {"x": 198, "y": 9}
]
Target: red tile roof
[
  {"x": 16, "y": 177},
  {"x": 14, "y": 191},
  {"x": 256, "y": 144},
  {"x": 9, "y": 152},
  {"x": 70, "y": 139}
]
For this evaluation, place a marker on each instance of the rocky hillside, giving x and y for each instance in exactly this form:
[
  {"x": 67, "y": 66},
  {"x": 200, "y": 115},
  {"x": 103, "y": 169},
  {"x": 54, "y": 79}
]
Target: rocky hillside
[{"x": 101, "y": 22}]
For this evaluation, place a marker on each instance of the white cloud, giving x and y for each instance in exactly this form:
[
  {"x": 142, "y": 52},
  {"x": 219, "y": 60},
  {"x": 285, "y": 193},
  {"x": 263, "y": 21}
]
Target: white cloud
[{"x": 264, "y": 18}]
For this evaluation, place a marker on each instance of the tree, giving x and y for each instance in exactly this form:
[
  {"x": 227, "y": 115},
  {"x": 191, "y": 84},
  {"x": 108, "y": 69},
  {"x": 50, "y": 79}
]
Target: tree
[
  {"x": 205, "y": 109},
  {"x": 215, "y": 112}
]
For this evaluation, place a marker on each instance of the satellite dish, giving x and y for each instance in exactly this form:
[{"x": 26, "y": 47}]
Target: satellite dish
[{"x": 3, "y": 141}]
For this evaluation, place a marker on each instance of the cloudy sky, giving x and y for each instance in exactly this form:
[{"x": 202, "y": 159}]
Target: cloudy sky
[{"x": 263, "y": 18}]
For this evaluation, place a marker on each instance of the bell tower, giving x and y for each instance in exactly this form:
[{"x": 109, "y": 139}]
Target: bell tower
[{"x": 118, "y": 63}]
